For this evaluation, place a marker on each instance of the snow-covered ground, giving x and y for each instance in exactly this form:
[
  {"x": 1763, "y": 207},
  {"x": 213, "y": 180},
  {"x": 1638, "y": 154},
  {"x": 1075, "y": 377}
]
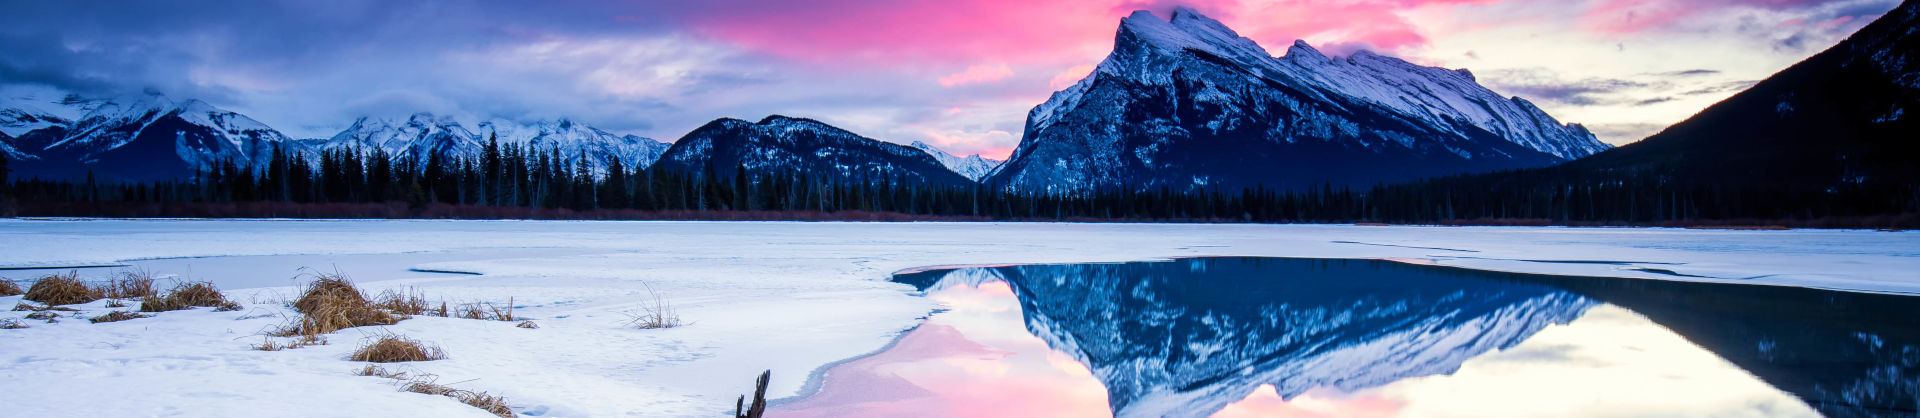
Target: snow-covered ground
[{"x": 790, "y": 297}]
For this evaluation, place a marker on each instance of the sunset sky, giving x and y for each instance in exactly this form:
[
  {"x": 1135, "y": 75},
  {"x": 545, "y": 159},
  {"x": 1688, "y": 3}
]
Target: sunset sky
[{"x": 956, "y": 73}]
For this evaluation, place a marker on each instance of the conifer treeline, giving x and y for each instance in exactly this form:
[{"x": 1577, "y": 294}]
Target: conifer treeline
[{"x": 515, "y": 176}]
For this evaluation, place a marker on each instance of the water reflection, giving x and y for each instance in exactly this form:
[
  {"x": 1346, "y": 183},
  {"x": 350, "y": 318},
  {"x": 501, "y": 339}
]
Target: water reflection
[{"x": 1305, "y": 337}]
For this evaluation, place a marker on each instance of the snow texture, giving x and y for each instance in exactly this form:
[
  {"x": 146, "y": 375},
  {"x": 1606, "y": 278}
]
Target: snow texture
[
  {"x": 789, "y": 297},
  {"x": 1188, "y": 102}
]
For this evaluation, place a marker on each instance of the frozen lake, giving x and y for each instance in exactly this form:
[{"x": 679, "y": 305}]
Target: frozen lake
[
  {"x": 787, "y": 297},
  {"x": 1252, "y": 337}
]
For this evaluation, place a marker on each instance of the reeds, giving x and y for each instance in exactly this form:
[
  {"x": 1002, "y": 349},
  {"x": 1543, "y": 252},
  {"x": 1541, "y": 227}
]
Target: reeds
[
  {"x": 62, "y": 290},
  {"x": 188, "y": 295},
  {"x": 395, "y": 349},
  {"x": 655, "y": 313},
  {"x": 9, "y": 288},
  {"x": 331, "y": 303},
  {"x": 129, "y": 284},
  {"x": 117, "y": 316},
  {"x": 428, "y": 384}
]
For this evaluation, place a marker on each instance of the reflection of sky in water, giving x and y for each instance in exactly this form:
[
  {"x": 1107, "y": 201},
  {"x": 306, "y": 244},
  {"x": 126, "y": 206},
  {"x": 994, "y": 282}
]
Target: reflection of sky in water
[
  {"x": 979, "y": 360},
  {"x": 975, "y": 360}
]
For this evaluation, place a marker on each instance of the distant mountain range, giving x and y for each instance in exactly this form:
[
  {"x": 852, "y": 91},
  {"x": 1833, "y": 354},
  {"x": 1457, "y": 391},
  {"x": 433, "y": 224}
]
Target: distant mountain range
[{"x": 1183, "y": 103}]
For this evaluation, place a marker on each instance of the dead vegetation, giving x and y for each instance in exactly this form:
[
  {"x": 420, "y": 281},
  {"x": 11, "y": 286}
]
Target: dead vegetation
[
  {"x": 117, "y": 316},
  {"x": 395, "y": 349},
  {"x": 487, "y": 312},
  {"x": 331, "y": 303},
  {"x": 302, "y": 341},
  {"x": 10, "y": 323},
  {"x": 527, "y": 324},
  {"x": 188, "y": 295},
  {"x": 654, "y": 314},
  {"x": 129, "y": 284},
  {"x": 9, "y": 288},
  {"x": 428, "y": 384},
  {"x": 408, "y": 302},
  {"x": 23, "y": 307},
  {"x": 50, "y": 317},
  {"x": 62, "y": 290}
]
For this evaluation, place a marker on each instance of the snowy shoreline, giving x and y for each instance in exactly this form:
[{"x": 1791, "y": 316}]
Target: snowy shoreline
[{"x": 793, "y": 297}]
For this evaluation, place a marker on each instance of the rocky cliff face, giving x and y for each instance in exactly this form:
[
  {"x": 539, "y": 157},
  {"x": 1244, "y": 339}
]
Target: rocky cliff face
[{"x": 1187, "y": 103}]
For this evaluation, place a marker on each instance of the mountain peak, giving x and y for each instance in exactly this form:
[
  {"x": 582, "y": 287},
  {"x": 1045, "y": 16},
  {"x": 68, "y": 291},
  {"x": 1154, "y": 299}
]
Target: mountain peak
[{"x": 1301, "y": 49}]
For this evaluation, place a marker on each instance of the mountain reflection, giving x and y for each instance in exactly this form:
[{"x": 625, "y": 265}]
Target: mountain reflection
[{"x": 1189, "y": 337}]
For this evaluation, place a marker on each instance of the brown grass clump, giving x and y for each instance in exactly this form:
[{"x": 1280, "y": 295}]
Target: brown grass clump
[
  {"x": 527, "y": 325},
  {"x": 130, "y": 284},
  {"x": 10, "y": 323},
  {"x": 406, "y": 302},
  {"x": 117, "y": 316},
  {"x": 394, "y": 349},
  {"x": 427, "y": 384},
  {"x": 9, "y": 288},
  {"x": 43, "y": 316},
  {"x": 303, "y": 341},
  {"x": 189, "y": 295},
  {"x": 331, "y": 303},
  {"x": 23, "y": 306},
  {"x": 486, "y": 311},
  {"x": 62, "y": 290}
]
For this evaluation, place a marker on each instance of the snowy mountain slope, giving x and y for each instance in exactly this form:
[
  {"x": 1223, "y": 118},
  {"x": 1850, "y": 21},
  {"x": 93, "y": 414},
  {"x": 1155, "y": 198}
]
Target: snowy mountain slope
[
  {"x": 573, "y": 138},
  {"x": 445, "y": 137},
  {"x": 1188, "y": 103},
  {"x": 974, "y": 167},
  {"x": 143, "y": 137},
  {"x": 1842, "y": 118},
  {"x": 782, "y": 145},
  {"x": 1186, "y": 337}
]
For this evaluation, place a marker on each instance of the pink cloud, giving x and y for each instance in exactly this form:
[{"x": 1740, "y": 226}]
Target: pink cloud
[{"x": 977, "y": 74}]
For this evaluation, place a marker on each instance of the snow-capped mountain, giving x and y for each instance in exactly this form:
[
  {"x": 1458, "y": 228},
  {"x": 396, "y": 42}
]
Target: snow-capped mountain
[
  {"x": 151, "y": 137},
  {"x": 424, "y": 134},
  {"x": 1188, "y": 103},
  {"x": 974, "y": 167},
  {"x": 780, "y": 145},
  {"x": 1187, "y": 337},
  {"x": 143, "y": 137}
]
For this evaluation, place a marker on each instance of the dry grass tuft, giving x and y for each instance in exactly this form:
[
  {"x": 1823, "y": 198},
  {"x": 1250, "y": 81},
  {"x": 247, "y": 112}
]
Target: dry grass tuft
[
  {"x": 394, "y": 349},
  {"x": 407, "y": 302},
  {"x": 189, "y": 295},
  {"x": 10, "y": 323},
  {"x": 486, "y": 311},
  {"x": 117, "y": 316},
  {"x": 9, "y": 288},
  {"x": 426, "y": 384},
  {"x": 130, "y": 284},
  {"x": 329, "y": 290},
  {"x": 527, "y": 325},
  {"x": 331, "y": 303},
  {"x": 655, "y": 314},
  {"x": 116, "y": 303},
  {"x": 61, "y": 290},
  {"x": 43, "y": 316},
  {"x": 23, "y": 306},
  {"x": 303, "y": 341}
]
